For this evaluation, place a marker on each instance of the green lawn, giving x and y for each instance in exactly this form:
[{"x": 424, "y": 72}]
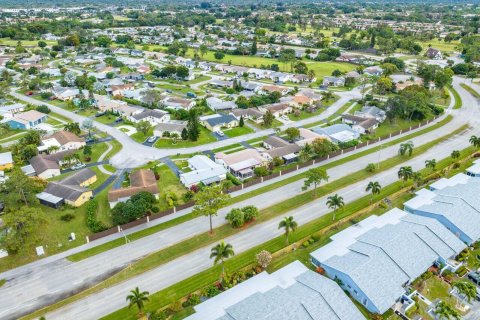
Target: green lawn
[
  {"x": 116, "y": 147},
  {"x": 205, "y": 137},
  {"x": 470, "y": 90},
  {"x": 458, "y": 99},
  {"x": 440, "y": 45},
  {"x": 305, "y": 115},
  {"x": 238, "y": 131},
  {"x": 28, "y": 43},
  {"x": 179, "y": 89},
  {"x": 198, "y": 79},
  {"x": 140, "y": 137},
  {"x": 387, "y": 127},
  {"x": 169, "y": 183},
  {"x": 97, "y": 150}
]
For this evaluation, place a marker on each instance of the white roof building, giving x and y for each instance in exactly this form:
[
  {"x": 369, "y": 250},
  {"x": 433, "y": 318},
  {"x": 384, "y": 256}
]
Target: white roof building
[
  {"x": 204, "y": 170},
  {"x": 377, "y": 257},
  {"x": 291, "y": 293}
]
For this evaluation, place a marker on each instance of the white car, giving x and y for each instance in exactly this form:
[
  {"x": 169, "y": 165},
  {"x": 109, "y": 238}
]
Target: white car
[
  {"x": 220, "y": 133},
  {"x": 78, "y": 166},
  {"x": 151, "y": 139},
  {"x": 284, "y": 117}
]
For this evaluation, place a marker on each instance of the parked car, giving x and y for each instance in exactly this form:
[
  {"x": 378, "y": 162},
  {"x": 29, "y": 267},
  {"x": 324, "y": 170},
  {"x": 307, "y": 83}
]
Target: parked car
[
  {"x": 29, "y": 93},
  {"x": 151, "y": 139},
  {"x": 119, "y": 119},
  {"x": 99, "y": 114},
  {"x": 89, "y": 140},
  {"x": 78, "y": 166},
  {"x": 220, "y": 133},
  {"x": 474, "y": 277},
  {"x": 284, "y": 117},
  {"x": 191, "y": 95}
]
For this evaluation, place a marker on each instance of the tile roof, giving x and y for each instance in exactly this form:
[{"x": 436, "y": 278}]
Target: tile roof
[
  {"x": 64, "y": 137},
  {"x": 141, "y": 180}
]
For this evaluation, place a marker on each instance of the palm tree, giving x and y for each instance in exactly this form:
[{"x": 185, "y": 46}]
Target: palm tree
[
  {"x": 466, "y": 289},
  {"x": 446, "y": 311},
  {"x": 137, "y": 298},
  {"x": 405, "y": 173},
  {"x": 374, "y": 187},
  {"x": 455, "y": 154},
  {"x": 475, "y": 141},
  {"x": 431, "y": 164},
  {"x": 335, "y": 202},
  {"x": 406, "y": 148},
  {"x": 221, "y": 252},
  {"x": 53, "y": 149},
  {"x": 289, "y": 225},
  {"x": 417, "y": 178}
]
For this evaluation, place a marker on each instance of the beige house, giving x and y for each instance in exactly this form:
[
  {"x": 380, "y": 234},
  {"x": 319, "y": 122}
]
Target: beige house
[
  {"x": 140, "y": 181},
  {"x": 48, "y": 166},
  {"x": 63, "y": 140},
  {"x": 242, "y": 163},
  {"x": 277, "y": 109}
]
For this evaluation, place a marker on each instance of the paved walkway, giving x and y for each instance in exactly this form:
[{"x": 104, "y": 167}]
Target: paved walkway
[{"x": 101, "y": 167}]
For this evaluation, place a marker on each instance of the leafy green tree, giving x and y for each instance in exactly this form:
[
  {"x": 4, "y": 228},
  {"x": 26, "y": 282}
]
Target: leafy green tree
[
  {"x": 455, "y": 154},
  {"x": 103, "y": 41},
  {"x": 220, "y": 253},
  {"x": 72, "y": 127},
  {"x": 203, "y": 50},
  {"x": 374, "y": 187},
  {"x": 323, "y": 147},
  {"x": 20, "y": 189},
  {"x": 138, "y": 298},
  {"x": 184, "y": 134},
  {"x": 475, "y": 141},
  {"x": 42, "y": 44},
  {"x": 315, "y": 176},
  {"x": 268, "y": 119},
  {"x": 219, "y": 55},
  {"x": 182, "y": 72},
  {"x": 444, "y": 311},
  {"x": 466, "y": 288},
  {"x": 23, "y": 225},
  {"x": 235, "y": 218},
  {"x": 405, "y": 174},
  {"x": 143, "y": 126},
  {"x": 335, "y": 202},
  {"x": 193, "y": 125},
  {"x": 289, "y": 225},
  {"x": 292, "y": 133},
  {"x": 208, "y": 201},
  {"x": 241, "y": 123}
]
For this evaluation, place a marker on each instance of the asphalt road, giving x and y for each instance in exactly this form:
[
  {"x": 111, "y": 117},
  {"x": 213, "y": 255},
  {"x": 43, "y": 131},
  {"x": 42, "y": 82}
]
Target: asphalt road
[{"x": 30, "y": 288}]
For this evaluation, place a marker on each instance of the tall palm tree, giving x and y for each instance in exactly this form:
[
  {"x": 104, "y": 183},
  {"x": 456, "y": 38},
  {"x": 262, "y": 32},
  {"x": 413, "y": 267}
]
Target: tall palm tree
[
  {"x": 475, "y": 141},
  {"x": 466, "y": 289},
  {"x": 431, "y": 164},
  {"x": 53, "y": 149},
  {"x": 417, "y": 179},
  {"x": 406, "y": 148},
  {"x": 138, "y": 298},
  {"x": 289, "y": 225},
  {"x": 455, "y": 154},
  {"x": 221, "y": 252},
  {"x": 405, "y": 173},
  {"x": 446, "y": 311},
  {"x": 335, "y": 202},
  {"x": 374, "y": 187}
]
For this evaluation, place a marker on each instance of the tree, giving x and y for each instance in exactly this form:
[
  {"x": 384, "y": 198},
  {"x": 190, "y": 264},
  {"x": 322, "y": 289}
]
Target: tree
[
  {"x": 143, "y": 126},
  {"x": 431, "y": 164},
  {"x": 311, "y": 75},
  {"x": 466, "y": 288},
  {"x": 151, "y": 97},
  {"x": 182, "y": 72},
  {"x": 287, "y": 56},
  {"x": 405, "y": 173},
  {"x": 327, "y": 95},
  {"x": 103, "y": 41},
  {"x": 336, "y": 73},
  {"x": 335, "y": 202},
  {"x": 219, "y": 55},
  {"x": 209, "y": 201},
  {"x": 241, "y": 123},
  {"x": 374, "y": 187},
  {"x": 253, "y": 49},
  {"x": 203, "y": 50},
  {"x": 22, "y": 225},
  {"x": 289, "y": 225},
  {"x": 184, "y": 134},
  {"x": 406, "y": 148},
  {"x": 315, "y": 176},
  {"x": 370, "y": 167},
  {"x": 417, "y": 179},
  {"x": 263, "y": 258},
  {"x": 20, "y": 189},
  {"x": 384, "y": 84},
  {"x": 301, "y": 67},
  {"x": 455, "y": 154},
  {"x": 268, "y": 119},
  {"x": 87, "y": 150},
  {"x": 323, "y": 147},
  {"x": 221, "y": 252},
  {"x": 42, "y": 44},
  {"x": 446, "y": 312},
  {"x": 72, "y": 127},
  {"x": 475, "y": 141},
  {"x": 138, "y": 298},
  {"x": 193, "y": 125},
  {"x": 292, "y": 133}
]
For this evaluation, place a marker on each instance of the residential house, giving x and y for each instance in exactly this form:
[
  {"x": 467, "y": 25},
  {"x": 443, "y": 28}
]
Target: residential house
[
  {"x": 9, "y": 110},
  {"x": 132, "y": 77},
  {"x": 433, "y": 54},
  {"x": 171, "y": 127},
  {"x": 360, "y": 124},
  {"x": 454, "y": 202},
  {"x": 6, "y": 161},
  {"x": 307, "y": 137},
  {"x": 65, "y": 93},
  {"x": 70, "y": 190},
  {"x": 104, "y": 103},
  {"x": 280, "y": 148},
  {"x": 353, "y": 74},
  {"x": 297, "y": 101},
  {"x": 47, "y": 166},
  {"x": 154, "y": 116},
  {"x": 143, "y": 69},
  {"x": 241, "y": 163},
  {"x": 221, "y": 83},
  {"x": 177, "y": 103},
  {"x": 292, "y": 292},
  {"x": 377, "y": 258},
  {"x": 334, "y": 81},
  {"x": 339, "y": 133},
  {"x": 216, "y": 104},
  {"x": 277, "y": 109},
  {"x": 373, "y": 71},
  {"x": 204, "y": 171},
  {"x": 252, "y": 114},
  {"x": 63, "y": 140},
  {"x": 142, "y": 180},
  {"x": 216, "y": 122},
  {"x": 372, "y": 112},
  {"x": 27, "y": 120},
  {"x": 271, "y": 88},
  {"x": 119, "y": 90},
  {"x": 280, "y": 77}
]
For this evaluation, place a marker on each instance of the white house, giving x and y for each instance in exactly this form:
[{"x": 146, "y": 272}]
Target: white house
[{"x": 204, "y": 171}]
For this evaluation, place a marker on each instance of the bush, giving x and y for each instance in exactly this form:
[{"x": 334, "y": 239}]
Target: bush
[
  {"x": 249, "y": 213},
  {"x": 315, "y": 238},
  {"x": 43, "y": 108},
  {"x": 260, "y": 171},
  {"x": 67, "y": 217},
  {"x": 236, "y": 218},
  {"x": 92, "y": 223},
  {"x": 158, "y": 315},
  {"x": 234, "y": 179},
  {"x": 192, "y": 300},
  {"x": 305, "y": 244},
  {"x": 211, "y": 291},
  {"x": 176, "y": 307},
  {"x": 155, "y": 209}
]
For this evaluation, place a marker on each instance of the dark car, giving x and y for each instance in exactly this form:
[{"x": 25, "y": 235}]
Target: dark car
[{"x": 474, "y": 277}]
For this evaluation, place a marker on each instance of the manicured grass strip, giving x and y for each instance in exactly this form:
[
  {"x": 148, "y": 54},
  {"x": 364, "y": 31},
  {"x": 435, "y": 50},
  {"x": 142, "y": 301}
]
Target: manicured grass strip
[
  {"x": 359, "y": 175},
  {"x": 458, "y": 100},
  {"x": 470, "y": 90},
  {"x": 2, "y": 282},
  {"x": 116, "y": 147}
]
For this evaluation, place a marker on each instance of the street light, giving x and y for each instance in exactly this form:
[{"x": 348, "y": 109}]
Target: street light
[{"x": 379, "y": 154}]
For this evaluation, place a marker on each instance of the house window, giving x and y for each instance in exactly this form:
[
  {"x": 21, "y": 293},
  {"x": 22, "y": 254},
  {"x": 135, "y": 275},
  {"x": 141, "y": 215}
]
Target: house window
[
  {"x": 364, "y": 301},
  {"x": 348, "y": 286},
  {"x": 355, "y": 291}
]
